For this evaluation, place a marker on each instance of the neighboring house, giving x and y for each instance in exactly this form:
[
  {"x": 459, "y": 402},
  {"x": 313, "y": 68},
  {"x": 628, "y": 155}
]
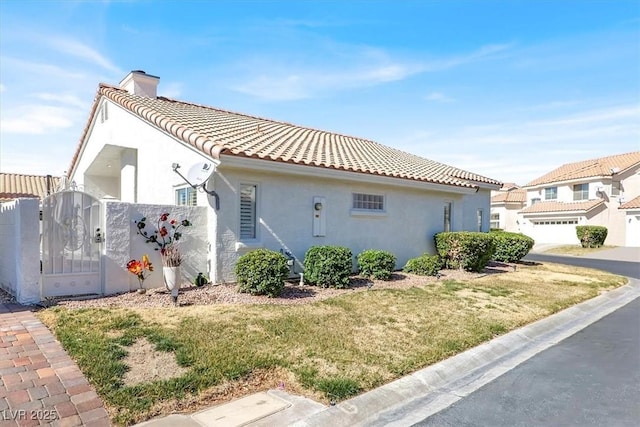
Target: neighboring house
[
  {"x": 600, "y": 191},
  {"x": 505, "y": 205},
  {"x": 15, "y": 186},
  {"x": 632, "y": 221},
  {"x": 278, "y": 185}
]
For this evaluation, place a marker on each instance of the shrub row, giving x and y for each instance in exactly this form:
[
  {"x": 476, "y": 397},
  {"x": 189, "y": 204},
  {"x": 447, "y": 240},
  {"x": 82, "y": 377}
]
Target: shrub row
[
  {"x": 262, "y": 272},
  {"x": 591, "y": 236}
]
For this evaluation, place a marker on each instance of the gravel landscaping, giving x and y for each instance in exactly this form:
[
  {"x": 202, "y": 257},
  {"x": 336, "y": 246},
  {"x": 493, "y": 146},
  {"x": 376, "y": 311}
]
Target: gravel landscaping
[{"x": 293, "y": 293}]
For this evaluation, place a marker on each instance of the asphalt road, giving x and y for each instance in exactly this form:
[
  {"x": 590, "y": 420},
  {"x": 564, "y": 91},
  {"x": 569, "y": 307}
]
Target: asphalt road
[
  {"x": 590, "y": 379},
  {"x": 624, "y": 268}
]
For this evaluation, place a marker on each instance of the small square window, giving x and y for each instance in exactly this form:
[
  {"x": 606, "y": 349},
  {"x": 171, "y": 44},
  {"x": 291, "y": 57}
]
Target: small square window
[
  {"x": 551, "y": 193},
  {"x": 368, "y": 202},
  {"x": 581, "y": 192},
  {"x": 186, "y": 197}
]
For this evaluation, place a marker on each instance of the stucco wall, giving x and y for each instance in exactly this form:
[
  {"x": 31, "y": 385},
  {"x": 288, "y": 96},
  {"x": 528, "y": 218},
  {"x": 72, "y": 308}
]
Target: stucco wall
[
  {"x": 20, "y": 249},
  {"x": 285, "y": 212},
  {"x": 470, "y": 205},
  {"x": 154, "y": 153},
  {"x": 122, "y": 243}
]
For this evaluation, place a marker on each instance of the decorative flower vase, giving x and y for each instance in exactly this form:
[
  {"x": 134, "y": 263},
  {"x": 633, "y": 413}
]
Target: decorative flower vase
[{"x": 172, "y": 281}]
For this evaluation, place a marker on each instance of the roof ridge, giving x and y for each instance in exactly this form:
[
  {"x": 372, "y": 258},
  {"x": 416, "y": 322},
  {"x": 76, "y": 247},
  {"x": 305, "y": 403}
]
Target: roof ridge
[
  {"x": 215, "y": 131},
  {"x": 251, "y": 116}
]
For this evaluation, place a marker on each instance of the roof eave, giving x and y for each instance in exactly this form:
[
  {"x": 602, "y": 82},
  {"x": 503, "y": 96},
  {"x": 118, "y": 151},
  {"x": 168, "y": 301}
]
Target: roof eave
[{"x": 269, "y": 165}]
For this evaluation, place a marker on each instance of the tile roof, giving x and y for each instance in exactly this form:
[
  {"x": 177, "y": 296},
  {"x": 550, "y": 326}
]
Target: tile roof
[
  {"x": 631, "y": 204},
  {"x": 550, "y": 207},
  {"x": 13, "y": 186},
  {"x": 589, "y": 168},
  {"x": 214, "y": 131},
  {"x": 508, "y": 186},
  {"x": 513, "y": 196}
]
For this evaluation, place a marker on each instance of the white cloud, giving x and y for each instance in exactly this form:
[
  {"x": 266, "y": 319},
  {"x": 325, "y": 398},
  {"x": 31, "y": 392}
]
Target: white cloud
[
  {"x": 171, "y": 90},
  {"x": 82, "y": 51},
  {"x": 519, "y": 151},
  {"x": 352, "y": 67},
  {"x": 39, "y": 68},
  {"x": 37, "y": 119},
  {"x": 66, "y": 99},
  {"x": 439, "y": 97}
]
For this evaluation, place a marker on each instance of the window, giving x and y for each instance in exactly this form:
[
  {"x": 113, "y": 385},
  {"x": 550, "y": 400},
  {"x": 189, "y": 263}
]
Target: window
[
  {"x": 248, "y": 211},
  {"x": 551, "y": 193},
  {"x": 557, "y": 222},
  {"x": 369, "y": 202},
  {"x": 447, "y": 216},
  {"x": 495, "y": 220},
  {"x": 104, "y": 114},
  {"x": 581, "y": 192},
  {"x": 615, "y": 188},
  {"x": 186, "y": 196},
  {"x": 534, "y": 201},
  {"x": 479, "y": 216}
]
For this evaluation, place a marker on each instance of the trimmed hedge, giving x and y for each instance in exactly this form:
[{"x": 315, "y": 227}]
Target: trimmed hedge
[
  {"x": 465, "y": 250},
  {"x": 328, "y": 266},
  {"x": 376, "y": 264},
  {"x": 510, "y": 247},
  {"x": 262, "y": 272},
  {"x": 424, "y": 265},
  {"x": 591, "y": 236}
]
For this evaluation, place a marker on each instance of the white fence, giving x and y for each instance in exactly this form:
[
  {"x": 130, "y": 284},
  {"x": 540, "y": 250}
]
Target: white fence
[
  {"x": 20, "y": 246},
  {"x": 20, "y": 249}
]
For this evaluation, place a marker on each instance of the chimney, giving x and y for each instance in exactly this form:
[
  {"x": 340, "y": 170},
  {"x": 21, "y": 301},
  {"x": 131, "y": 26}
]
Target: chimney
[{"x": 140, "y": 83}]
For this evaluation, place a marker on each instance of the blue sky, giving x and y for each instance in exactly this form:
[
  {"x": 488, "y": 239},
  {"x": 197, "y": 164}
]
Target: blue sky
[{"x": 507, "y": 89}]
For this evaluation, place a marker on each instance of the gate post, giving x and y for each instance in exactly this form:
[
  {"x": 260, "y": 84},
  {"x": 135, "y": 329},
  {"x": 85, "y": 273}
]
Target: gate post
[{"x": 27, "y": 254}]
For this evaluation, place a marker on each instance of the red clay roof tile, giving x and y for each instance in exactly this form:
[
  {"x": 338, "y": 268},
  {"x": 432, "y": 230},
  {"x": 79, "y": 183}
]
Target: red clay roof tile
[{"x": 214, "y": 131}]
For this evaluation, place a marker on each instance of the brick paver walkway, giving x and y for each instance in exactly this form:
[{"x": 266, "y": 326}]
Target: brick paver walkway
[{"x": 39, "y": 383}]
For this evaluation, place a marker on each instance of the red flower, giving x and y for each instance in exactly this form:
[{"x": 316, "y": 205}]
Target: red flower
[
  {"x": 173, "y": 221},
  {"x": 135, "y": 267},
  {"x": 164, "y": 217},
  {"x": 163, "y": 231}
]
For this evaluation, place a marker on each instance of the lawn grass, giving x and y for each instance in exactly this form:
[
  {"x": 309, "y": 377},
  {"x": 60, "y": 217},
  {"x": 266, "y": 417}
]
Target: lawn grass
[
  {"x": 329, "y": 350},
  {"x": 576, "y": 250}
]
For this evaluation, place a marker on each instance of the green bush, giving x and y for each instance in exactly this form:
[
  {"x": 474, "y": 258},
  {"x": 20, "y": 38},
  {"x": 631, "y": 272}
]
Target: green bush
[
  {"x": 376, "y": 264},
  {"x": 262, "y": 272},
  {"x": 591, "y": 236},
  {"x": 510, "y": 247},
  {"x": 466, "y": 250},
  {"x": 328, "y": 266},
  {"x": 424, "y": 265}
]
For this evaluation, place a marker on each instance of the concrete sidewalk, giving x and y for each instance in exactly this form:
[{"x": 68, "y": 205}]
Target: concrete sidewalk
[
  {"x": 39, "y": 383},
  {"x": 421, "y": 394}
]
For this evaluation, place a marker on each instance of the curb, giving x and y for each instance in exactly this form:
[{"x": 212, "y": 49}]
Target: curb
[{"x": 412, "y": 398}]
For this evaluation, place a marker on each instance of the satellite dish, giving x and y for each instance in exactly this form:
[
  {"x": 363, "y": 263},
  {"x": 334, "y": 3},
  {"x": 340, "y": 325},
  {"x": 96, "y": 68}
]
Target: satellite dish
[{"x": 199, "y": 173}]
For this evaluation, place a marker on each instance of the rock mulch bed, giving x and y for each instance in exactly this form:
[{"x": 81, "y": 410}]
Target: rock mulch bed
[{"x": 293, "y": 292}]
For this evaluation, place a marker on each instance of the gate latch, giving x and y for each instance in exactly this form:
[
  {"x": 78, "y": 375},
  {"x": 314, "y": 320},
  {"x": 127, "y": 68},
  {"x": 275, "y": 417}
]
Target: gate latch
[{"x": 98, "y": 236}]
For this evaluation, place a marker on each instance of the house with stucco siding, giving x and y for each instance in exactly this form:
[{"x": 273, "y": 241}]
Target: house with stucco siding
[
  {"x": 506, "y": 203},
  {"x": 603, "y": 191},
  {"x": 274, "y": 185}
]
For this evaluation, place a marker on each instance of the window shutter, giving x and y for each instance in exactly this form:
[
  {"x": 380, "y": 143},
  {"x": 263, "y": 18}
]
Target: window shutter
[{"x": 247, "y": 212}]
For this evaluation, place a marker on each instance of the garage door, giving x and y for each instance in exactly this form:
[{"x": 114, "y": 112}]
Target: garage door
[{"x": 555, "y": 231}]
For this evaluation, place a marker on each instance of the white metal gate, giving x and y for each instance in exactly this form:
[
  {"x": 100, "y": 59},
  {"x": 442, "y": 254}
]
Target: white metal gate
[{"x": 70, "y": 253}]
